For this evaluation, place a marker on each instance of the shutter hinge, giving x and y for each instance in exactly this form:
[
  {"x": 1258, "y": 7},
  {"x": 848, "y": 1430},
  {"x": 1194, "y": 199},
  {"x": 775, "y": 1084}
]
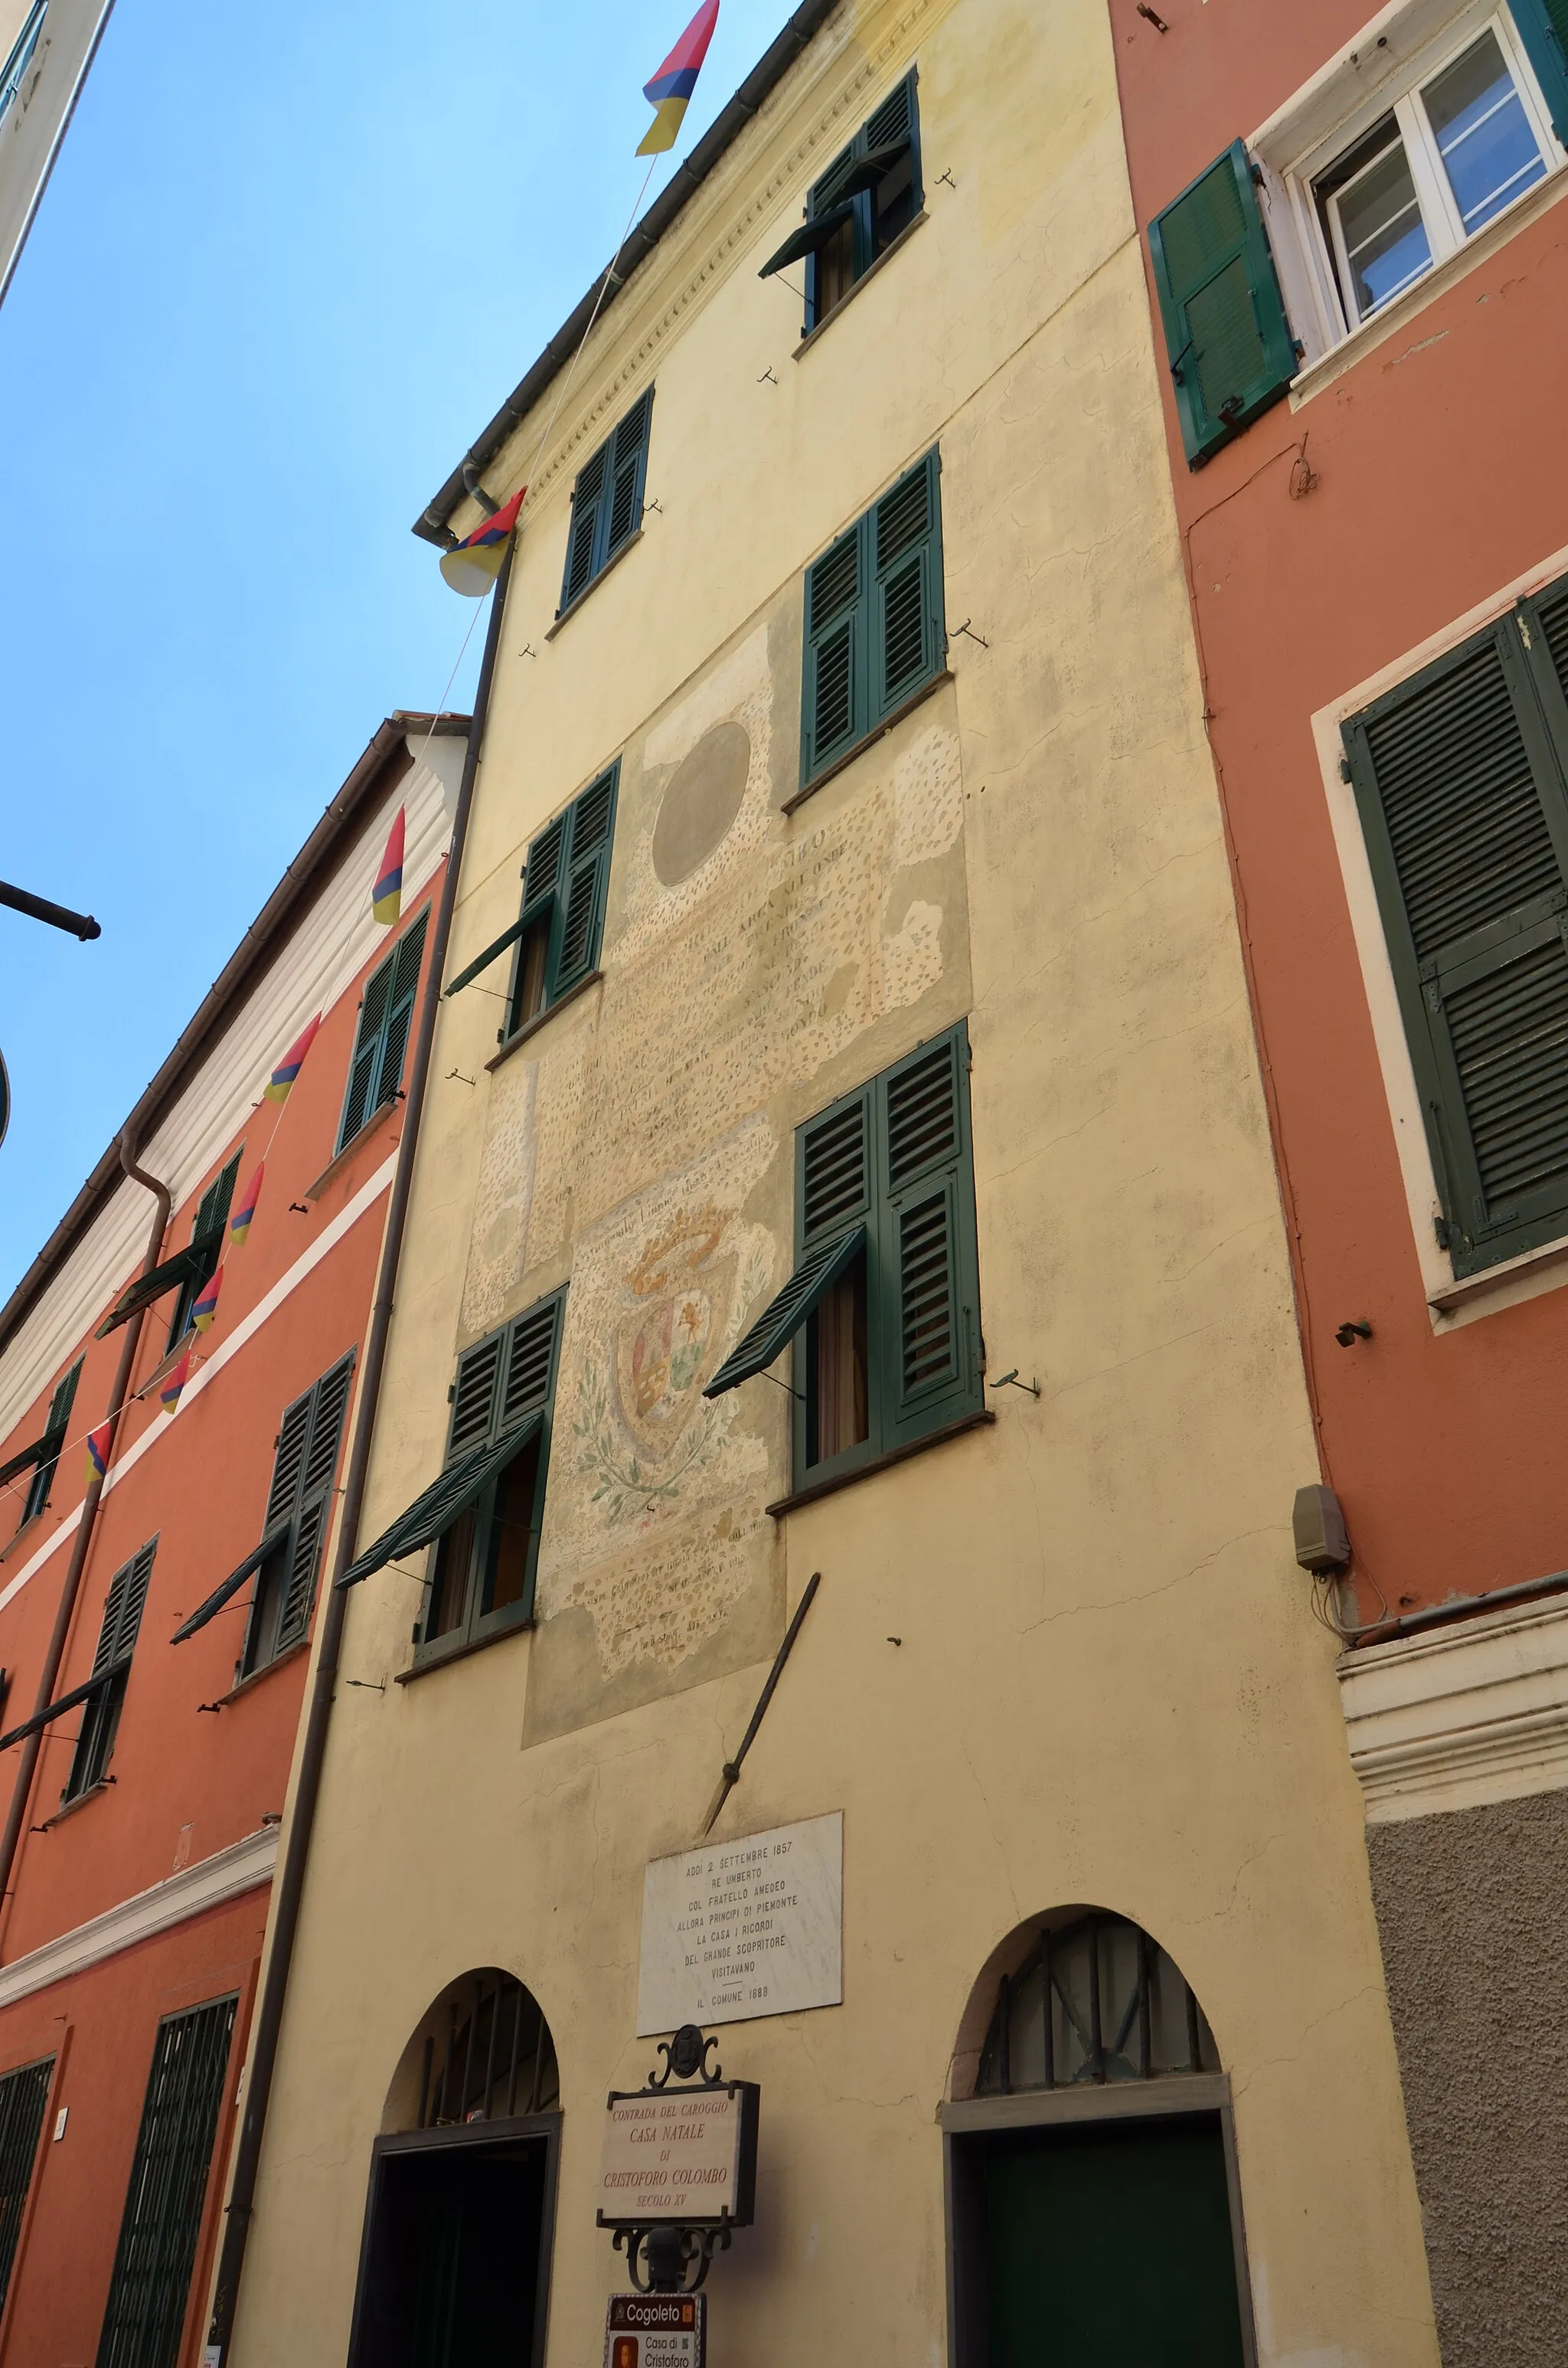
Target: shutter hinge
[
  {"x": 1255, "y": 172},
  {"x": 1345, "y": 769},
  {"x": 452, "y": 1391},
  {"x": 1445, "y": 1236}
]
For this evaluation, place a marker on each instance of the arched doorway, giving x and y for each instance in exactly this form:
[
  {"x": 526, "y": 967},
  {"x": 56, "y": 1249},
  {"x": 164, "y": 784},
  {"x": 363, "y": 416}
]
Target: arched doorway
[
  {"x": 1093, "y": 2206},
  {"x": 455, "y": 2262}
]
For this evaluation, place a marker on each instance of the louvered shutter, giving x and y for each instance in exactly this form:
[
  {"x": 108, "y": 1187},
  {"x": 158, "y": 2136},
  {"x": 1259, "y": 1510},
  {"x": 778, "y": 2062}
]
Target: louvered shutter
[
  {"x": 580, "y": 899},
  {"x": 406, "y": 962},
  {"x": 1543, "y": 29},
  {"x": 835, "y": 688},
  {"x": 54, "y": 1439},
  {"x": 475, "y": 1395},
  {"x": 126, "y": 1602},
  {"x": 928, "y": 1315},
  {"x": 1464, "y": 805},
  {"x": 318, "y": 1468},
  {"x": 1230, "y": 349},
  {"x": 907, "y": 646},
  {"x": 588, "y": 504},
  {"x": 530, "y": 1364},
  {"x": 365, "y": 1068},
  {"x": 628, "y": 472}
]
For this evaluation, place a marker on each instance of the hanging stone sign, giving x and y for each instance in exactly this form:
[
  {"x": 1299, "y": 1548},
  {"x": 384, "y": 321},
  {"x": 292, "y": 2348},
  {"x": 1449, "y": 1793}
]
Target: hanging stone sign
[{"x": 736, "y": 1929}]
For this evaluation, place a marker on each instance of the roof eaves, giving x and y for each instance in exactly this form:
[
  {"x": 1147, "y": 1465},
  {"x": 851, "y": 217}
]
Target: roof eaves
[
  {"x": 301, "y": 883},
  {"x": 434, "y": 524}
]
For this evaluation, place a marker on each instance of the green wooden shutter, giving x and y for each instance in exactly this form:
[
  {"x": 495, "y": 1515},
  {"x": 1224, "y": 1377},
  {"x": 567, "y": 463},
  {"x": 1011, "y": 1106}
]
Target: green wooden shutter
[
  {"x": 1231, "y": 353},
  {"x": 833, "y": 1183},
  {"x": 535, "y": 1340},
  {"x": 380, "y": 1040},
  {"x": 1543, "y": 29},
  {"x": 475, "y": 1396},
  {"x": 835, "y": 688},
  {"x": 589, "y": 504},
  {"x": 207, "y": 1241},
  {"x": 628, "y": 472},
  {"x": 123, "y": 1607},
  {"x": 312, "y": 1515},
  {"x": 927, "y": 1317},
  {"x": 1465, "y": 810},
  {"x": 908, "y": 641},
  {"x": 583, "y": 886},
  {"x": 24, "y": 2096},
  {"x": 54, "y": 1439},
  {"x": 149, "y": 2286},
  {"x": 856, "y": 186}
]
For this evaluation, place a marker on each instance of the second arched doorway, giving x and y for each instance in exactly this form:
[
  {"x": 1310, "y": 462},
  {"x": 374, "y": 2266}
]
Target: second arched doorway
[
  {"x": 1094, "y": 2201},
  {"x": 460, "y": 2218}
]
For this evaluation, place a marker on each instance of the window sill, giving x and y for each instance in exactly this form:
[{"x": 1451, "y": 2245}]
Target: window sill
[
  {"x": 531, "y": 1027},
  {"x": 259, "y": 1677},
  {"x": 809, "y": 340},
  {"x": 563, "y": 615},
  {"x": 23, "y": 1530},
  {"x": 879, "y": 732},
  {"x": 337, "y": 1164},
  {"x": 462, "y": 1653},
  {"x": 69, "y": 1808},
  {"x": 1397, "y": 316},
  {"x": 811, "y": 1494},
  {"x": 1467, "y": 1289}
]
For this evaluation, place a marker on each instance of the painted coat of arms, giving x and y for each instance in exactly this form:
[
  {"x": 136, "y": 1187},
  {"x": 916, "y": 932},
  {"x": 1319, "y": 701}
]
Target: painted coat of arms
[{"x": 643, "y": 1426}]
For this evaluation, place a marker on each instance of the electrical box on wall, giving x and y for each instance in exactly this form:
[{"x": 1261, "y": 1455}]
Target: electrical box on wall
[{"x": 1323, "y": 1543}]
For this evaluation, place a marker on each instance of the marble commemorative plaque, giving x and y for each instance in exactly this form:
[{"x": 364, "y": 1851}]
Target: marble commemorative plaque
[{"x": 736, "y": 1929}]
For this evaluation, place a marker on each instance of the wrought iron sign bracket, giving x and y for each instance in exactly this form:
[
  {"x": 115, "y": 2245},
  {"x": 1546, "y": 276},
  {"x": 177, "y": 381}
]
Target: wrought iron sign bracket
[{"x": 674, "y": 2256}]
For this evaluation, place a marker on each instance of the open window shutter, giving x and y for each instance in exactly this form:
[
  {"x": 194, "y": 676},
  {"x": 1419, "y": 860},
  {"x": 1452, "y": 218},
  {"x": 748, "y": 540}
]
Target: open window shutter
[
  {"x": 834, "y": 689},
  {"x": 906, "y": 610},
  {"x": 588, "y": 499},
  {"x": 628, "y": 470},
  {"x": 473, "y": 1397},
  {"x": 365, "y": 1068},
  {"x": 810, "y": 236},
  {"x": 1464, "y": 804},
  {"x": 54, "y": 1439},
  {"x": 328, "y": 1405},
  {"x": 531, "y": 1365},
  {"x": 403, "y": 990},
  {"x": 1543, "y": 29},
  {"x": 122, "y": 1611},
  {"x": 584, "y": 885},
  {"x": 213, "y": 1214},
  {"x": 1230, "y": 349},
  {"x": 927, "y": 1267}
]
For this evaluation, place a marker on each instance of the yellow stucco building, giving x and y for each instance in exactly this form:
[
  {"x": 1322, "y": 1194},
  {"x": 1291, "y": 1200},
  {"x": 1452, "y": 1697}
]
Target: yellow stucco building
[{"x": 878, "y": 990}]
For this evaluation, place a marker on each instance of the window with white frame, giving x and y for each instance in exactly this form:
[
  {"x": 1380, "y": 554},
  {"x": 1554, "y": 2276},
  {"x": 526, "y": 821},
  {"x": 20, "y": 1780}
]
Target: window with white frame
[
  {"x": 1444, "y": 160},
  {"x": 1431, "y": 126}
]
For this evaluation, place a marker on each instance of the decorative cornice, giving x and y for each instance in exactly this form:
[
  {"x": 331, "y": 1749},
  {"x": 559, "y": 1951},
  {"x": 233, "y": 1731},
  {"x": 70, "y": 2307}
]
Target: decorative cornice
[
  {"x": 825, "y": 133},
  {"x": 1462, "y": 1715},
  {"x": 211, "y": 1883}
]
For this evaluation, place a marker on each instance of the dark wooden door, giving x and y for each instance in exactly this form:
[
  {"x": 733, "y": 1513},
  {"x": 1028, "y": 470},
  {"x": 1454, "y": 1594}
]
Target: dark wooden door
[{"x": 1110, "y": 2246}]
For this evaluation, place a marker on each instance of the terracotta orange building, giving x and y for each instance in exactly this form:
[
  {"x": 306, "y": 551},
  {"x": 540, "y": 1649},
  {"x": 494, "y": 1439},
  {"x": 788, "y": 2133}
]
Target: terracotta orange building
[
  {"x": 1356, "y": 245},
  {"x": 155, "y": 1634}
]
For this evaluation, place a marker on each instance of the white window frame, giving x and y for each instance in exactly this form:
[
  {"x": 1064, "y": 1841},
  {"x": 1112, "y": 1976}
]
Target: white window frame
[{"x": 1403, "y": 49}]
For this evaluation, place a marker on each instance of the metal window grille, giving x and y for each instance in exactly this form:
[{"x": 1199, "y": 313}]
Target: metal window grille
[
  {"x": 158, "y": 2234},
  {"x": 1094, "y": 2002},
  {"x": 24, "y": 2095},
  {"x": 494, "y": 2060}
]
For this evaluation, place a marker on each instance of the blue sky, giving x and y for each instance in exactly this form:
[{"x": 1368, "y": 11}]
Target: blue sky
[{"x": 289, "y": 265}]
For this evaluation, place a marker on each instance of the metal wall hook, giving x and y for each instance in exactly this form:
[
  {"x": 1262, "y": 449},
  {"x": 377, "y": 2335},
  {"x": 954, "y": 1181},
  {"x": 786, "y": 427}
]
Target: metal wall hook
[
  {"x": 1011, "y": 1380},
  {"x": 964, "y": 628}
]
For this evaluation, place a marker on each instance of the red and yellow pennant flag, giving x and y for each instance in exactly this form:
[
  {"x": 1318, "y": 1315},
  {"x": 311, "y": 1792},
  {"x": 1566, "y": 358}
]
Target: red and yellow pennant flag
[
  {"x": 386, "y": 896},
  {"x": 670, "y": 88},
  {"x": 205, "y": 1307},
  {"x": 172, "y": 1383},
  {"x": 294, "y": 1061},
  {"x": 240, "y": 1220},
  {"x": 98, "y": 1444},
  {"x": 471, "y": 566}
]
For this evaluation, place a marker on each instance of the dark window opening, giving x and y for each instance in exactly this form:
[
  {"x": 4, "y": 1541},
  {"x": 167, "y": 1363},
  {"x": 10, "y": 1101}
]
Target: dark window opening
[
  {"x": 878, "y": 177},
  {"x": 837, "y": 1382},
  {"x": 533, "y": 957},
  {"x": 47, "y": 1450},
  {"x": 1095, "y": 2001}
]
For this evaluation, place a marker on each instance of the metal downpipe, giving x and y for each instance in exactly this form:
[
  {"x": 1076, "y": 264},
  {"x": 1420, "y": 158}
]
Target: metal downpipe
[{"x": 290, "y": 1883}]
